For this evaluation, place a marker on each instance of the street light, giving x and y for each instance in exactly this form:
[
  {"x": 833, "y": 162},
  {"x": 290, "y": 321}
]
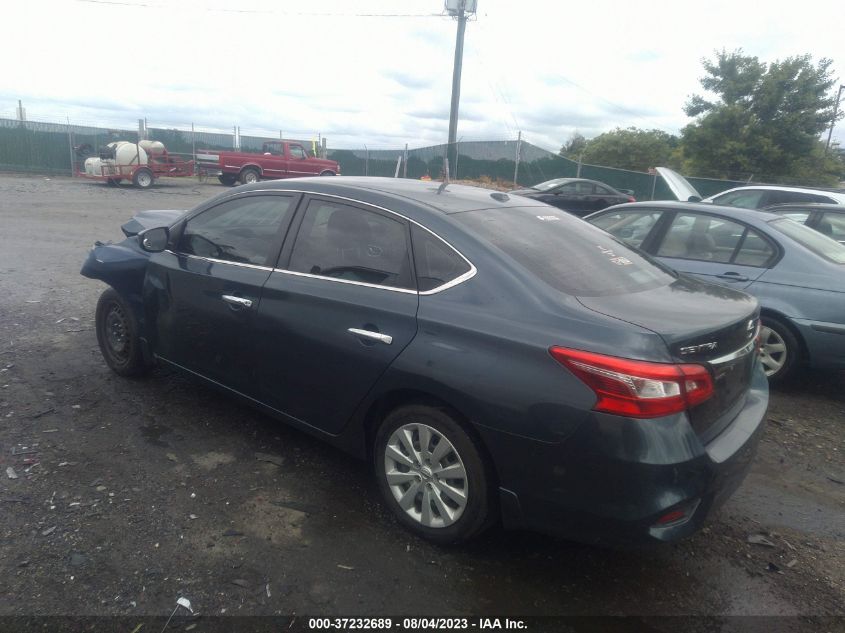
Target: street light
[{"x": 833, "y": 120}]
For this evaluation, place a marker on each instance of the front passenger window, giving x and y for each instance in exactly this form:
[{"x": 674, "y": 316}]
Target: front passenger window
[{"x": 244, "y": 230}]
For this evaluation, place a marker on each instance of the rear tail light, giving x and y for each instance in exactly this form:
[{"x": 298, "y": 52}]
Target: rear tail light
[
  {"x": 635, "y": 388},
  {"x": 631, "y": 199}
]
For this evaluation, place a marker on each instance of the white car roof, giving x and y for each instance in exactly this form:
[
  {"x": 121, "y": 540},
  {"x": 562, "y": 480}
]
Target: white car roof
[{"x": 833, "y": 195}]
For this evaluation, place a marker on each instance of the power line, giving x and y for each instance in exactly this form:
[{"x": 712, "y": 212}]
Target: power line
[{"x": 145, "y": 5}]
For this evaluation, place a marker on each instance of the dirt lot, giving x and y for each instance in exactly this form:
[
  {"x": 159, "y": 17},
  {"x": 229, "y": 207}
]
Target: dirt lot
[{"x": 130, "y": 494}]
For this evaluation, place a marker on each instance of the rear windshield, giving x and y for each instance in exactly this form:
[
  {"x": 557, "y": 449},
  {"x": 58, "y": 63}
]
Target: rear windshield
[
  {"x": 814, "y": 241},
  {"x": 565, "y": 252},
  {"x": 550, "y": 184}
]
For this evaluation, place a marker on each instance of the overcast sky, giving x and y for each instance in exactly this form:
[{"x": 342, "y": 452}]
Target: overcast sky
[{"x": 347, "y": 71}]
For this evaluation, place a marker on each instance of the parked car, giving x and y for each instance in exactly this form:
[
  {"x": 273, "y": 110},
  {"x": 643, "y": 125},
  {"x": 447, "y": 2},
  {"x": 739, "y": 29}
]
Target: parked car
[
  {"x": 828, "y": 219},
  {"x": 493, "y": 356},
  {"x": 576, "y": 195},
  {"x": 797, "y": 274},
  {"x": 760, "y": 196}
]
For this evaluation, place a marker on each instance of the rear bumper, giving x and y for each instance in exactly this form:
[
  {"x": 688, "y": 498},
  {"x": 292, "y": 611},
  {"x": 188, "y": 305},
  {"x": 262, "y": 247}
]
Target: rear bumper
[
  {"x": 825, "y": 343},
  {"x": 615, "y": 477}
]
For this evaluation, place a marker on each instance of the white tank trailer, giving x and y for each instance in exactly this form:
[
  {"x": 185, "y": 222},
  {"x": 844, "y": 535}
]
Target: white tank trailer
[
  {"x": 121, "y": 159},
  {"x": 139, "y": 163}
]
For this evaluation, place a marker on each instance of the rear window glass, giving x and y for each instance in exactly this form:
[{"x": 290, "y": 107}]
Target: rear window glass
[
  {"x": 814, "y": 241},
  {"x": 565, "y": 252}
]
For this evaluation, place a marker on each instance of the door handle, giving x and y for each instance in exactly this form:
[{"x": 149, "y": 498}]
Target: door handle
[
  {"x": 240, "y": 302},
  {"x": 732, "y": 277},
  {"x": 373, "y": 336}
]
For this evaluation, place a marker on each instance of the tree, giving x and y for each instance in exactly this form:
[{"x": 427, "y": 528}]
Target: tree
[
  {"x": 631, "y": 148},
  {"x": 574, "y": 146},
  {"x": 765, "y": 120}
]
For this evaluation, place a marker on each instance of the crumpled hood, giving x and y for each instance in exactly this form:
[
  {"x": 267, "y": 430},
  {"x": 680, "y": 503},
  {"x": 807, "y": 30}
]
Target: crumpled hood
[{"x": 151, "y": 219}]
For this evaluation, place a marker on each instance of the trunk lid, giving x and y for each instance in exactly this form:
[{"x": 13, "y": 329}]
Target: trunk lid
[
  {"x": 701, "y": 323},
  {"x": 678, "y": 185}
]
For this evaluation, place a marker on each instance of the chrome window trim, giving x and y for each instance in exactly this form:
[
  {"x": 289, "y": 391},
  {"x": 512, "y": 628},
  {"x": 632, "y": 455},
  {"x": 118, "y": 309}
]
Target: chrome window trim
[
  {"x": 345, "y": 281},
  {"x": 219, "y": 261},
  {"x": 449, "y": 284}
]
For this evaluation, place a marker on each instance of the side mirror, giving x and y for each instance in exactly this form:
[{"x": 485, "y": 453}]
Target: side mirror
[{"x": 154, "y": 240}]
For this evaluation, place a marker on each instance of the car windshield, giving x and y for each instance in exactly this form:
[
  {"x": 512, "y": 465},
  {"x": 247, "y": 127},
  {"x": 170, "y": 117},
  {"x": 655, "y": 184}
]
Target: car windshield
[
  {"x": 811, "y": 239},
  {"x": 551, "y": 184},
  {"x": 565, "y": 252}
]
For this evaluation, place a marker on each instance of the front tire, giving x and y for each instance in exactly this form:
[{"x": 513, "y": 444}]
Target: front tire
[
  {"x": 117, "y": 335},
  {"x": 249, "y": 176},
  {"x": 779, "y": 350},
  {"x": 227, "y": 179},
  {"x": 432, "y": 474}
]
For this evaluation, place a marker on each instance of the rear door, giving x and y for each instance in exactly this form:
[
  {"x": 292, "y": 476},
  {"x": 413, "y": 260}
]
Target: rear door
[
  {"x": 715, "y": 248},
  {"x": 202, "y": 297},
  {"x": 339, "y": 308}
]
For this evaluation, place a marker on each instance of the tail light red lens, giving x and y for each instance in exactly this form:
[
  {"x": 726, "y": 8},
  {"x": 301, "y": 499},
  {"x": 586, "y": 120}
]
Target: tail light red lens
[
  {"x": 631, "y": 199},
  {"x": 635, "y": 388}
]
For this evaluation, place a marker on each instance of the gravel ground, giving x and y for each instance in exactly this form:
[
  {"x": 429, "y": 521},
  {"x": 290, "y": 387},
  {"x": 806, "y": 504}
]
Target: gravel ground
[{"x": 131, "y": 493}]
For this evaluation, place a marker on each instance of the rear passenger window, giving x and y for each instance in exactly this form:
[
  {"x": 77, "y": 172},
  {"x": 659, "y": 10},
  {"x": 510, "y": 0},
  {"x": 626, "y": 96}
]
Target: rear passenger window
[
  {"x": 436, "y": 262},
  {"x": 783, "y": 197},
  {"x": 746, "y": 198},
  {"x": 244, "y": 230},
  {"x": 755, "y": 251},
  {"x": 345, "y": 242}
]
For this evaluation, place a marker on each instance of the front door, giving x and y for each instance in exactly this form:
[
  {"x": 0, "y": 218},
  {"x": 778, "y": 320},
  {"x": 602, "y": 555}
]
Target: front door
[
  {"x": 202, "y": 297},
  {"x": 337, "y": 312}
]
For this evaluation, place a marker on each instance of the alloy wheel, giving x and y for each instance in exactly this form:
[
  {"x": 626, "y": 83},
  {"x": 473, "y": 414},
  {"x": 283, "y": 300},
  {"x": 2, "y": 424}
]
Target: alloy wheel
[
  {"x": 426, "y": 475},
  {"x": 773, "y": 351}
]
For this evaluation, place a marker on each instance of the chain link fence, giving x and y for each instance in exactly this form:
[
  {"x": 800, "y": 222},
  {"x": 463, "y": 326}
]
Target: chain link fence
[{"x": 53, "y": 148}]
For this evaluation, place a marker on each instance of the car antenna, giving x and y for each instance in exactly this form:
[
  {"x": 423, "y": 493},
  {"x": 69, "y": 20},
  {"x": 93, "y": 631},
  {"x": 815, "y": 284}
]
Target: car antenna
[{"x": 445, "y": 182}]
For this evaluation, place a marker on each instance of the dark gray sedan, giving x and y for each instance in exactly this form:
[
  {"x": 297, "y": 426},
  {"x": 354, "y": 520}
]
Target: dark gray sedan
[
  {"x": 579, "y": 196},
  {"x": 798, "y": 274},
  {"x": 494, "y": 357}
]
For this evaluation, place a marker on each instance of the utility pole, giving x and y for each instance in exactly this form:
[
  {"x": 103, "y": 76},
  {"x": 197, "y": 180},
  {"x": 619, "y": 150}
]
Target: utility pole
[
  {"x": 516, "y": 159},
  {"x": 459, "y": 9},
  {"x": 833, "y": 120}
]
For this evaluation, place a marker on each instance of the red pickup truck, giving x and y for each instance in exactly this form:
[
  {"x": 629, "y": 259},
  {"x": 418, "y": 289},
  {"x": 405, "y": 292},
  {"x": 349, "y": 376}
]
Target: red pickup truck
[{"x": 279, "y": 159}]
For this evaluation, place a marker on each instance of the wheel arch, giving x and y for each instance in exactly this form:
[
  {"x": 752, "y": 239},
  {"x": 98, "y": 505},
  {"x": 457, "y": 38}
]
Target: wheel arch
[
  {"x": 787, "y": 323},
  {"x": 390, "y": 400},
  {"x": 253, "y": 166}
]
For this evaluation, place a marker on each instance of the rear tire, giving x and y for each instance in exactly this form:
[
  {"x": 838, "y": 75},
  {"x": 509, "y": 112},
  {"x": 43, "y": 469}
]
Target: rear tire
[
  {"x": 117, "y": 335},
  {"x": 432, "y": 474},
  {"x": 779, "y": 350},
  {"x": 327, "y": 173},
  {"x": 143, "y": 178},
  {"x": 249, "y": 176}
]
